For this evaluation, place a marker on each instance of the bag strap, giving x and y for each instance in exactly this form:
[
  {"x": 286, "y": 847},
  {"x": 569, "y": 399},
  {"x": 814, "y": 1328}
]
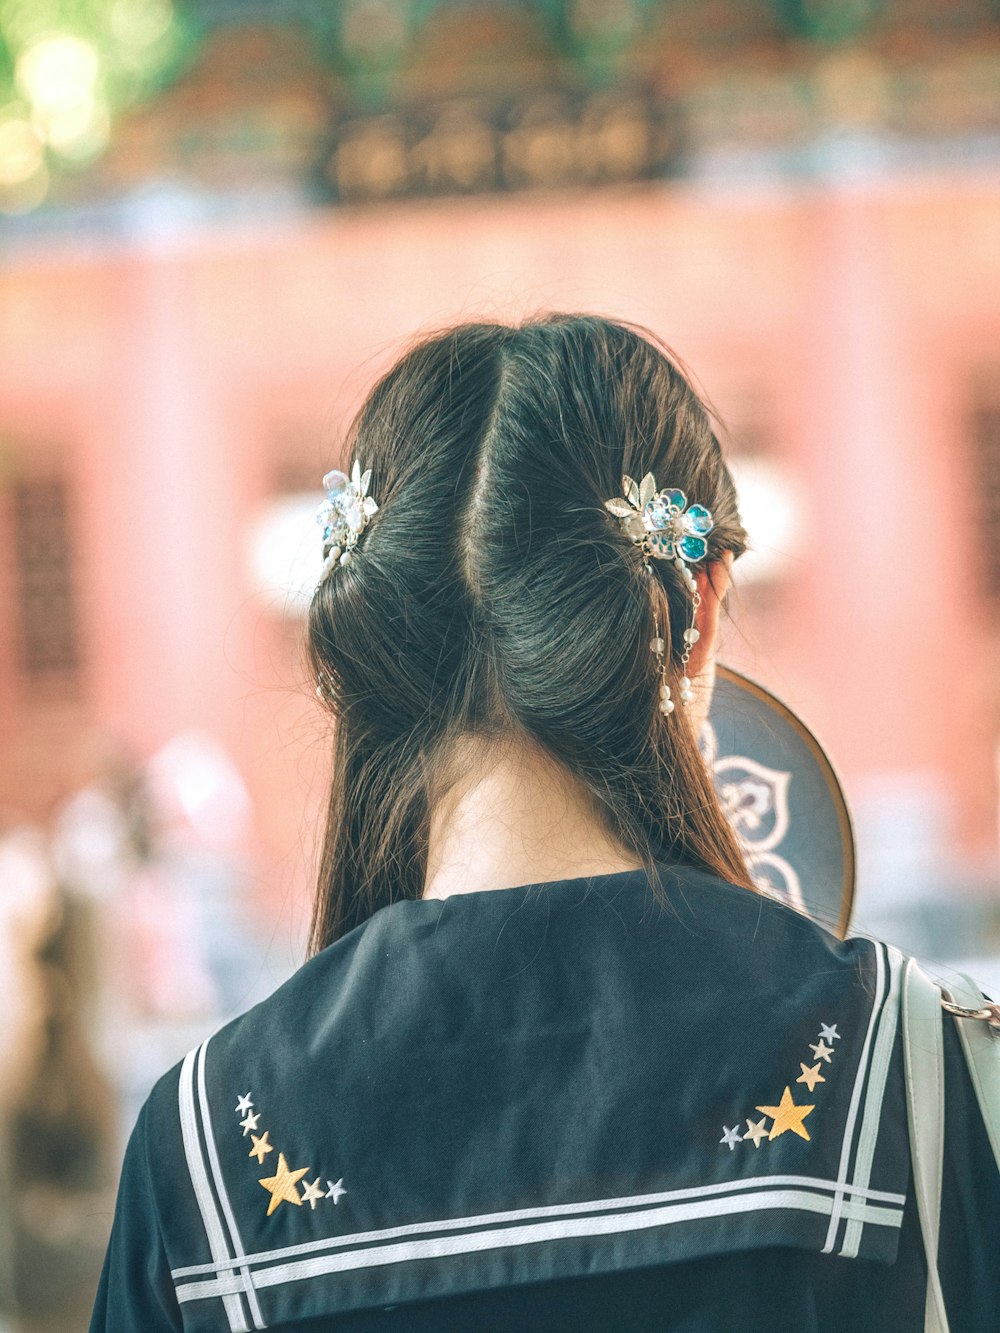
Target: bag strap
[
  {"x": 923, "y": 1060},
  {"x": 981, "y": 1045}
]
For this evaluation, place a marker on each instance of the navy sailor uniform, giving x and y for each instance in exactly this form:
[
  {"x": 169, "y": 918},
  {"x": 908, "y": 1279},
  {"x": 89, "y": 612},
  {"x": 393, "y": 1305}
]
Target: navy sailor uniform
[{"x": 561, "y": 1105}]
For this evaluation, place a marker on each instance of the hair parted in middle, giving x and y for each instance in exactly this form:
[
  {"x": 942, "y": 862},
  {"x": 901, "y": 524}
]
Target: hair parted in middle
[{"x": 495, "y": 597}]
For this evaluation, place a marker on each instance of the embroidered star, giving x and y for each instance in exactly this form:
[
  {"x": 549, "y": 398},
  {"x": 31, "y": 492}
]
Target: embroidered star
[
  {"x": 756, "y": 1130},
  {"x": 311, "y": 1194},
  {"x": 731, "y": 1136},
  {"x": 787, "y": 1116},
  {"x": 828, "y": 1031},
  {"x": 821, "y": 1051},
  {"x": 260, "y": 1146},
  {"x": 244, "y": 1104},
  {"x": 250, "y": 1122},
  {"x": 335, "y": 1189},
  {"x": 810, "y": 1076},
  {"x": 282, "y": 1185}
]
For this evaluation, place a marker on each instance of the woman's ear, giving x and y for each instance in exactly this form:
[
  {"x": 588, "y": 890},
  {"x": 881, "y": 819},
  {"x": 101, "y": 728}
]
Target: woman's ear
[{"x": 713, "y": 584}]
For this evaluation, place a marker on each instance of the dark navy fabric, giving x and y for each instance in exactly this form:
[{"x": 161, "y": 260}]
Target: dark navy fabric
[{"x": 560, "y": 1105}]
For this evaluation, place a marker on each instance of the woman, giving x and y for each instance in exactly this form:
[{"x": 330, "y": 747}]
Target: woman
[{"x": 553, "y": 1063}]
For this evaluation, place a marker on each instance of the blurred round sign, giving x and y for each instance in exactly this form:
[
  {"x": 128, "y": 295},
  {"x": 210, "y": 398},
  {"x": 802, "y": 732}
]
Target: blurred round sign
[{"x": 784, "y": 799}]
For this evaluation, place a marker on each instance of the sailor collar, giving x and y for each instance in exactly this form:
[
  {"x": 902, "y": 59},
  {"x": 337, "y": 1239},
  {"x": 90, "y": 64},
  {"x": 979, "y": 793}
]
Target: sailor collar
[{"x": 535, "y": 1083}]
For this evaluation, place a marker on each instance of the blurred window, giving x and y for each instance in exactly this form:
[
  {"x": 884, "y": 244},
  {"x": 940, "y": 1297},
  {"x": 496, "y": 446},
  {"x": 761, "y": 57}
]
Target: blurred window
[
  {"x": 48, "y": 643},
  {"x": 986, "y": 443}
]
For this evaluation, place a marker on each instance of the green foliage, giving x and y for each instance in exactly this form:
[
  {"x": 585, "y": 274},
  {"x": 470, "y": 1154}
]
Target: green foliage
[
  {"x": 67, "y": 68},
  {"x": 137, "y": 45},
  {"x": 828, "y": 20}
]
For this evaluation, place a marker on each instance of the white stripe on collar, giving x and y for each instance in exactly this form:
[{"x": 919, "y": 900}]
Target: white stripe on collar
[
  {"x": 560, "y": 1228},
  {"x": 224, "y": 1248}
]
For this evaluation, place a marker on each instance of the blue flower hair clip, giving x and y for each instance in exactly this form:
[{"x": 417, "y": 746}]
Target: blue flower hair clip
[
  {"x": 344, "y": 514},
  {"x": 661, "y": 522},
  {"x": 665, "y": 526}
]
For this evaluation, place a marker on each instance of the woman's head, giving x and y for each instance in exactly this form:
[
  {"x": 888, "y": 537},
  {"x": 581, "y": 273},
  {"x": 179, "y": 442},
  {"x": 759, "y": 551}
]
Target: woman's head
[{"x": 493, "y": 595}]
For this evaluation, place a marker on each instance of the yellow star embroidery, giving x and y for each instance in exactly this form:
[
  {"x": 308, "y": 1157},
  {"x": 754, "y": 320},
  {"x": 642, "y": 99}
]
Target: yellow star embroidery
[
  {"x": 260, "y": 1146},
  {"x": 810, "y": 1076},
  {"x": 756, "y": 1130},
  {"x": 787, "y": 1116},
  {"x": 282, "y": 1185}
]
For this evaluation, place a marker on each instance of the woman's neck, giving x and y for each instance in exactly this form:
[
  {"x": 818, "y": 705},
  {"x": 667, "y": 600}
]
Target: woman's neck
[{"x": 516, "y": 816}]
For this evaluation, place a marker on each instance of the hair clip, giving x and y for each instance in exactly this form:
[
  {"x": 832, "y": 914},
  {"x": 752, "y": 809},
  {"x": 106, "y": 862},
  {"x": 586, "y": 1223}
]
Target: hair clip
[
  {"x": 344, "y": 514},
  {"x": 325, "y": 692},
  {"x": 665, "y": 527},
  {"x": 661, "y": 522}
]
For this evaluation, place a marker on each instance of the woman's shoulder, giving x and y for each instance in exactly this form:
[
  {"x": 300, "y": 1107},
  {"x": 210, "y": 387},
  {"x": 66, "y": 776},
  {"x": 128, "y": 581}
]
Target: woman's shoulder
[
  {"x": 680, "y": 938},
  {"x": 534, "y": 1083},
  {"x": 486, "y": 990}
]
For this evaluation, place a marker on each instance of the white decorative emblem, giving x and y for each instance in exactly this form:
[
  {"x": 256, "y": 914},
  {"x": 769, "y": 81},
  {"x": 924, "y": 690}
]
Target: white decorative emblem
[{"x": 755, "y": 799}]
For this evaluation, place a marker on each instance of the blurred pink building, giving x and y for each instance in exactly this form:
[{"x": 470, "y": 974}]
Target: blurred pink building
[{"x": 159, "y": 394}]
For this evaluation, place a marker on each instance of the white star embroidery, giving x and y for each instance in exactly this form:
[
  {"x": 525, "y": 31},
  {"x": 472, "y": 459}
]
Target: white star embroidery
[
  {"x": 821, "y": 1051},
  {"x": 756, "y": 1130},
  {"x": 731, "y": 1136},
  {"x": 311, "y": 1194},
  {"x": 810, "y": 1075},
  {"x": 249, "y": 1123},
  {"x": 335, "y": 1190},
  {"x": 828, "y": 1032},
  {"x": 244, "y": 1104}
]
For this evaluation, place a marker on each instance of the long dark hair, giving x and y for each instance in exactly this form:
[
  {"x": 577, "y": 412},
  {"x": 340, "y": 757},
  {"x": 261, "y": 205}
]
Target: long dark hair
[{"x": 492, "y": 595}]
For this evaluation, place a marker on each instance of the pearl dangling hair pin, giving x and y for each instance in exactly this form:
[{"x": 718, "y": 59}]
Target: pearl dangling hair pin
[
  {"x": 691, "y": 634},
  {"x": 657, "y": 647},
  {"x": 665, "y": 527}
]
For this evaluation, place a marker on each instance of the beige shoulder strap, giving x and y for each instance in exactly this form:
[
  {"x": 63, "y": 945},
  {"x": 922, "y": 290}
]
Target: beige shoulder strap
[
  {"x": 981, "y": 1044},
  {"x": 923, "y": 1061}
]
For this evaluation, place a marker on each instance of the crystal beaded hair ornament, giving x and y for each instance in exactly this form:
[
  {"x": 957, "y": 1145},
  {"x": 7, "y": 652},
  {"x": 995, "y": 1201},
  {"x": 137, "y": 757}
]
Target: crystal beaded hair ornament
[
  {"x": 344, "y": 515},
  {"x": 665, "y": 527}
]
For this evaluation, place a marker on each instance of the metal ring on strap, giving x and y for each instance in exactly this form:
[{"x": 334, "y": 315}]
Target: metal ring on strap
[{"x": 989, "y": 1012}]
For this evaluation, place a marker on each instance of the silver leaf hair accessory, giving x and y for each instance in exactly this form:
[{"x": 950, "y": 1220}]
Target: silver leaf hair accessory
[
  {"x": 344, "y": 514},
  {"x": 666, "y": 527}
]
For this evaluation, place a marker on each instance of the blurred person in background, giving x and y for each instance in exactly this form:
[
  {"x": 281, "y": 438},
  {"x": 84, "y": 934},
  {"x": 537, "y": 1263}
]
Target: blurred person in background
[
  {"x": 118, "y": 944},
  {"x": 554, "y": 1062},
  {"x": 57, "y": 1116},
  {"x": 27, "y": 908}
]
